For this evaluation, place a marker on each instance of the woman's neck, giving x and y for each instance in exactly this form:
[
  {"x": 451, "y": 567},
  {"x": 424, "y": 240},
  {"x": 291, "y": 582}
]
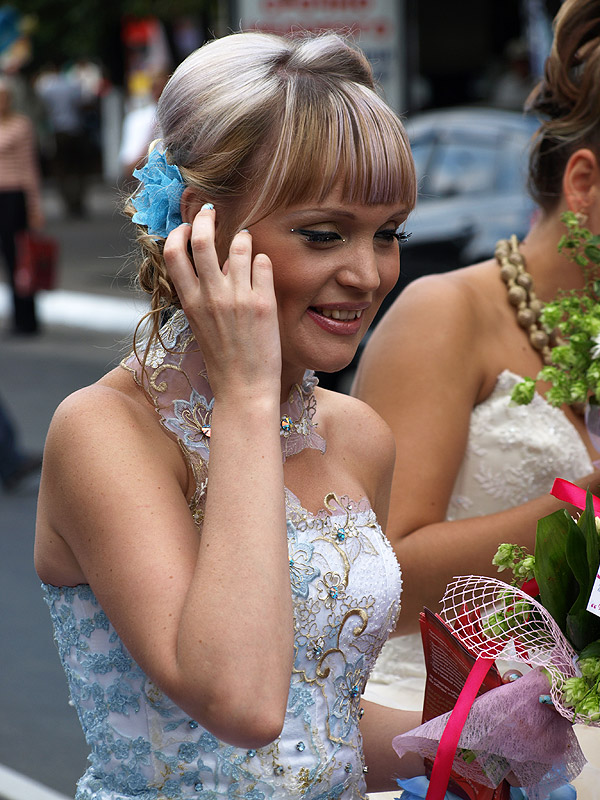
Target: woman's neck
[{"x": 549, "y": 269}]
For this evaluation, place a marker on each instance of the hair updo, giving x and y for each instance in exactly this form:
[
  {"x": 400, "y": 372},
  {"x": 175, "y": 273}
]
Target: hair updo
[
  {"x": 568, "y": 99},
  {"x": 256, "y": 122}
]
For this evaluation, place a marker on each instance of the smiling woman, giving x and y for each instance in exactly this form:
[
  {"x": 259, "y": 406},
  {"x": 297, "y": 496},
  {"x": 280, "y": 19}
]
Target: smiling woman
[
  {"x": 209, "y": 520},
  {"x": 218, "y": 598}
]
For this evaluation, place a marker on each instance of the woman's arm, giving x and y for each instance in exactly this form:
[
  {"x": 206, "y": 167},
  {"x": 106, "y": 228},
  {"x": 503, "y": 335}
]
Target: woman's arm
[
  {"x": 423, "y": 371},
  {"x": 379, "y": 726},
  {"x": 208, "y": 617},
  {"x": 30, "y": 175}
]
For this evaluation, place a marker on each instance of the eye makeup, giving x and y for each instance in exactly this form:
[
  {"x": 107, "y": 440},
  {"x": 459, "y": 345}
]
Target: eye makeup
[{"x": 318, "y": 236}]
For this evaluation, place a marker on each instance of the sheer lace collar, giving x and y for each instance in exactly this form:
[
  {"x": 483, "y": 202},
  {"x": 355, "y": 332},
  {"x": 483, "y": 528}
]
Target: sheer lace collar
[{"x": 175, "y": 379}]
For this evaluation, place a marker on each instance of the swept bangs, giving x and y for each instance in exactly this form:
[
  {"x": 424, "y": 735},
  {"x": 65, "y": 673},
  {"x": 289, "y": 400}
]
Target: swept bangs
[{"x": 347, "y": 134}]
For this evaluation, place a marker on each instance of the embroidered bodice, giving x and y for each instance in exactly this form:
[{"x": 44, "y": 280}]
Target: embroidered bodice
[
  {"x": 346, "y": 586},
  {"x": 513, "y": 454}
]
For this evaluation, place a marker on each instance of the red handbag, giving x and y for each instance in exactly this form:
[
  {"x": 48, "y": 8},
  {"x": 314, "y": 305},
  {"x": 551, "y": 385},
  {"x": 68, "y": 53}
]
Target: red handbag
[{"x": 37, "y": 260}]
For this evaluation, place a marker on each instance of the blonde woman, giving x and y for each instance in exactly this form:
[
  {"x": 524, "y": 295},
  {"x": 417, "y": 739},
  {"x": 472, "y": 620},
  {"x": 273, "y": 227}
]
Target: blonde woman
[{"x": 209, "y": 520}]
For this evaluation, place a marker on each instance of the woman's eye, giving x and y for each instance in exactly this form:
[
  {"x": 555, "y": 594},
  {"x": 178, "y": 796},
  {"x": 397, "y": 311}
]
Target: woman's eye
[
  {"x": 393, "y": 234},
  {"x": 318, "y": 236}
]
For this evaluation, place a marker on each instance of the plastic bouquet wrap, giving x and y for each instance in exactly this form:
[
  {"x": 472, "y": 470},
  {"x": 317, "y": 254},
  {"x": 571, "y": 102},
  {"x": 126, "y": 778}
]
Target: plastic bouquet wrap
[{"x": 522, "y": 731}]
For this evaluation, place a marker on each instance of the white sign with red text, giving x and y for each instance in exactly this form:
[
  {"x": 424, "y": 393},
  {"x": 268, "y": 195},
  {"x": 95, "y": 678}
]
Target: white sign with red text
[
  {"x": 594, "y": 602},
  {"x": 377, "y": 26}
]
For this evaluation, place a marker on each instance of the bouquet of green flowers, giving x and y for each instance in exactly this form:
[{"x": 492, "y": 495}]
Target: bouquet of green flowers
[
  {"x": 548, "y": 620},
  {"x": 574, "y": 374},
  {"x": 561, "y": 576}
]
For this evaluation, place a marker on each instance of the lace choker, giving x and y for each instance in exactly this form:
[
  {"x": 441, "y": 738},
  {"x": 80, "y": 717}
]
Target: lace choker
[
  {"x": 175, "y": 379},
  {"x": 297, "y": 429}
]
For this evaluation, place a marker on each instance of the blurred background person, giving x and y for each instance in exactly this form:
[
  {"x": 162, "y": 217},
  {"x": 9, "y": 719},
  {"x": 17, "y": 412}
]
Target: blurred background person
[
  {"x": 139, "y": 127},
  {"x": 64, "y": 100},
  {"x": 513, "y": 85},
  {"x": 15, "y": 465},
  {"x": 20, "y": 199}
]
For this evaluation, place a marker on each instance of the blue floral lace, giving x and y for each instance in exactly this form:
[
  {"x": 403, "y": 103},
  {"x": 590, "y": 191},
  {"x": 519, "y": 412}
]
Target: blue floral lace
[{"x": 345, "y": 584}]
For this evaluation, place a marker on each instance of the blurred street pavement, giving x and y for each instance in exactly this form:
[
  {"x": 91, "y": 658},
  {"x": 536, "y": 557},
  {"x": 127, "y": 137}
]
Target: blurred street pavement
[{"x": 87, "y": 325}]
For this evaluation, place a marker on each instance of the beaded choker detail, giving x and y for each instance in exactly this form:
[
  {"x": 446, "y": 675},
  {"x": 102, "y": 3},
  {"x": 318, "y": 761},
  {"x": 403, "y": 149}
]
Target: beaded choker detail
[
  {"x": 297, "y": 429},
  {"x": 522, "y": 297},
  {"x": 174, "y": 376}
]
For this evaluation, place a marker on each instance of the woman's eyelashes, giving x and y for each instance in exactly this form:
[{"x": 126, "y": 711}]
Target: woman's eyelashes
[
  {"x": 393, "y": 234},
  {"x": 318, "y": 236},
  {"x": 325, "y": 237}
]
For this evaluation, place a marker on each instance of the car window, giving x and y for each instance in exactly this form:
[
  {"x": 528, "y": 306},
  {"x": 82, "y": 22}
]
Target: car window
[
  {"x": 421, "y": 150},
  {"x": 457, "y": 168},
  {"x": 512, "y": 170}
]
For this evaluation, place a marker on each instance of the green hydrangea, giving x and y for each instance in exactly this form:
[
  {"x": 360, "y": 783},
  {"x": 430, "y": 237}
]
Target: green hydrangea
[{"x": 574, "y": 690}]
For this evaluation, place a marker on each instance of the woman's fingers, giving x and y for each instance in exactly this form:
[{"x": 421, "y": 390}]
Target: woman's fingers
[
  {"x": 262, "y": 275},
  {"x": 239, "y": 262},
  {"x": 180, "y": 268}
]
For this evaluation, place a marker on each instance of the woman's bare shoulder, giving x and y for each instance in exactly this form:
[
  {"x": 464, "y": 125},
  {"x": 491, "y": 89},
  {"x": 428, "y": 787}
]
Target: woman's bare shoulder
[
  {"x": 450, "y": 293},
  {"x": 359, "y": 432},
  {"x": 112, "y": 415},
  {"x": 352, "y": 418}
]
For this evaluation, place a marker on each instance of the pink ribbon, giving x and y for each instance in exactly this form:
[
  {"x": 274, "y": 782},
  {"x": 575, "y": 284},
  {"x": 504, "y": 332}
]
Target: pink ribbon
[
  {"x": 569, "y": 493},
  {"x": 444, "y": 757}
]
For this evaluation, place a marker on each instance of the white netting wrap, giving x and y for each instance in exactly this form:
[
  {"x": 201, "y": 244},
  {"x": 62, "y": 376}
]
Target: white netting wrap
[{"x": 495, "y": 620}]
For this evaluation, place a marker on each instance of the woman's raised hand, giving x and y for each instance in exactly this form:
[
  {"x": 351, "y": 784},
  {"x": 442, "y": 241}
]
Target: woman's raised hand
[{"x": 232, "y": 309}]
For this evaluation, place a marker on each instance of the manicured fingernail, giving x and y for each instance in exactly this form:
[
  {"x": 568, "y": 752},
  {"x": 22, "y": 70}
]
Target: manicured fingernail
[
  {"x": 187, "y": 223},
  {"x": 545, "y": 699},
  {"x": 244, "y": 230},
  {"x": 207, "y": 207}
]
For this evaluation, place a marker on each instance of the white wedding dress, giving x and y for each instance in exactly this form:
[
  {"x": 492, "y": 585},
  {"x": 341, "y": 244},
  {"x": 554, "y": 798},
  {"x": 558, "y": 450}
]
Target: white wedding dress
[{"x": 513, "y": 455}]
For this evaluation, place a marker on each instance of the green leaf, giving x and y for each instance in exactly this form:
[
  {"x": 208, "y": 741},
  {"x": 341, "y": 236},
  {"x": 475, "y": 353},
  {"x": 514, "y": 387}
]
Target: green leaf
[
  {"x": 587, "y": 523},
  {"x": 593, "y": 253},
  {"x": 558, "y": 588},
  {"x": 592, "y": 650},
  {"x": 576, "y": 552},
  {"x": 583, "y": 628}
]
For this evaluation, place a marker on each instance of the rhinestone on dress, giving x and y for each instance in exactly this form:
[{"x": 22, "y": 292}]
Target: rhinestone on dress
[
  {"x": 333, "y": 593},
  {"x": 193, "y": 724},
  {"x": 348, "y": 768},
  {"x": 300, "y": 746},
  {"x": 278, "y": 770},
  {"x": 354, "y": 691},
  {"x": 251, "y": 753},
  {"x": 198, "y": 786}
]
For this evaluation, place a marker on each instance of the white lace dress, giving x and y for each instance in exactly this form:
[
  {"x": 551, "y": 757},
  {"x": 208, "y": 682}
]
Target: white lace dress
[
  {"x": 513, "y": 455},
  {"x": 345, "y": 584}
]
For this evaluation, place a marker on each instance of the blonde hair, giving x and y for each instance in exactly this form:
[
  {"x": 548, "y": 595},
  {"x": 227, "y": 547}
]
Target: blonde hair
[
  {"x": 568, "y": 98},
  {"x": 256, "y": 122}
]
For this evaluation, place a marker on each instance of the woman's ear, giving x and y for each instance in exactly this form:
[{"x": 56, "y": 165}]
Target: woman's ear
[
  {"x": 190, "y": 204},
  {"x": 581, "y": 180}
]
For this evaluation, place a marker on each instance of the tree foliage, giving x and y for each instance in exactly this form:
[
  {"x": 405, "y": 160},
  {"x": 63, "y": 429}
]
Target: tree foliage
[{"x": 67, "y": 30}]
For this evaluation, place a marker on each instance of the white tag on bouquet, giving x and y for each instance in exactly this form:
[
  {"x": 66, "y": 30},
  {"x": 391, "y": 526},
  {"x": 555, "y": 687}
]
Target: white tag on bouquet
[{"x": 594, "y": 602}]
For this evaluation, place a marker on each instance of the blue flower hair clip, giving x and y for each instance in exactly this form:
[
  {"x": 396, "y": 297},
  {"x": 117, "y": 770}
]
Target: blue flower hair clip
[{"x": 157, "y": 203}]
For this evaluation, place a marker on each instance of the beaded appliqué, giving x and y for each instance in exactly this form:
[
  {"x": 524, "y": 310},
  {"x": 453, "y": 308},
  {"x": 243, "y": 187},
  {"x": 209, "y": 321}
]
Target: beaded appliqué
[{"x": 143, "y": 745}]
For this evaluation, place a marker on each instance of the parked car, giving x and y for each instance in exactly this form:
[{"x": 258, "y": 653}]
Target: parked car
[{"x": 471, "y": 165}]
